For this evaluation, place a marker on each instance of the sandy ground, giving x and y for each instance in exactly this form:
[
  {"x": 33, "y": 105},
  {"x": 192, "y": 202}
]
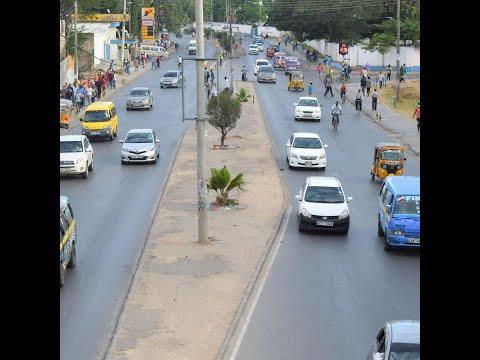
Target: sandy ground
[{"x": 184, "y": 295}]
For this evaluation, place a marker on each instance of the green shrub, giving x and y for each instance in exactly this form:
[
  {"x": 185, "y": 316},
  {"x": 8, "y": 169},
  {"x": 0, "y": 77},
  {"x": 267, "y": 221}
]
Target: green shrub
[{"x": 222, "y": 183}]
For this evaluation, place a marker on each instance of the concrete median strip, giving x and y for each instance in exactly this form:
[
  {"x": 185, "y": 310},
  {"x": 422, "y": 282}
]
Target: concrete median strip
[{"x": 186, "y": 300}]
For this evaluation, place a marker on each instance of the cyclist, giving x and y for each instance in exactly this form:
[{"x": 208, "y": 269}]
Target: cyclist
[
  {"x": 179, "y": 61},
  {"x": 358, "y": 100},
  {"x": 343, "y": 92},
  {"x": 336, "y": 112}
]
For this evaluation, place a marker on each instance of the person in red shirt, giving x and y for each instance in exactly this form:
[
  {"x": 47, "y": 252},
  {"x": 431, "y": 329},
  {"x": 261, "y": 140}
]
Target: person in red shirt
[
  {"x": 417, "y": 115},
  {"x": 343, "y": 92},
  {"x": 104, "y": 84},
  {"x": 319, "y": 69}
]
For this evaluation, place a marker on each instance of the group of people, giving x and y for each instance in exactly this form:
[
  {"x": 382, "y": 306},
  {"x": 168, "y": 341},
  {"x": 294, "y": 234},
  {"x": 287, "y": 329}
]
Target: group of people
[{"x": 209, "y": 78}]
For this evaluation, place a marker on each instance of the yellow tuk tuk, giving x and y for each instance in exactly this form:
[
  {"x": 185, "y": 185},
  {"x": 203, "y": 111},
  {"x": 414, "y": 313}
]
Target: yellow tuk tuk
[
  {"x": 295, "y": 81},
  {"x": 388, "y": 159},
  {"x": 66, "y": 110}
]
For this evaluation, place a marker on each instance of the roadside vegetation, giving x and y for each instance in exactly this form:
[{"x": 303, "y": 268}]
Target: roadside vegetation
[
  {"x": 223, "y": 113},
  {"x": 222, "y": 183}
]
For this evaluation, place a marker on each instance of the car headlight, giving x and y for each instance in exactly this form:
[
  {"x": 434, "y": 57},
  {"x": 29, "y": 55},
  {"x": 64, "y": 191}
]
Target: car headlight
[
  {"x": 151, "y": 149},
  {"x": 125, "y": 151},
  {"x": 79, "y": 161},
  {"x": 298, "y": 111},
  {"x": 322, "y": 156},
  {"x": 305, "y": 213},
  {"x": 293, "y": 156},
  {"x": 398, "y": 232},
  {"x": 316, "y": 111},
  {"x": 343, "y": 214},
  {"x": 174, "y": 80},
  {"x": 384, "y": 166},
  {"x": 145, "y": 101},
  {"x": 399, "y": 167}
]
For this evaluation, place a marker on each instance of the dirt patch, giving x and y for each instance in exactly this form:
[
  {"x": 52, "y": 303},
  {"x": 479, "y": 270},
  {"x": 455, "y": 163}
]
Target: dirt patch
[{"x": 409, "y": 97}]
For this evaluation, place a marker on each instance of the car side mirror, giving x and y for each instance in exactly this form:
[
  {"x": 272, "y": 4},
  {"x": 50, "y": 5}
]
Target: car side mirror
[
  {"x": 349, "y": 199},
  {"x": 89, "y": 149},
  {"x": 325, "y": 146},
  {"x": 287, "y": 144},
  {"x": 157, "y": 141},
  {"x": 405, "y": 159},
  {"x": 298, "y": 197},
  {"x": 81, "y": 119},
  {"x": 120, "y": 141}
]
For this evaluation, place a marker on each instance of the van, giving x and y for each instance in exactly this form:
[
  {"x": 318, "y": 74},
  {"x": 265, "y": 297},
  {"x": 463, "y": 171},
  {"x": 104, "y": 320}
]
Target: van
[
  {"x": 399, "y": 212},
  {"x": 100, "y": 120},
  {"x": 192, "y": 47},
  {"x": 154, "y": 51},
  {"x": 68, "y": 238}
]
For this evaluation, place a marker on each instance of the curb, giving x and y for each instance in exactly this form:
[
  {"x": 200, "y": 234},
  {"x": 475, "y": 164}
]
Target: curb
[
  {"x": 119, "y": 314},
  {"x": 228, "y": 342},
  {"x": 408, "y": 146}
]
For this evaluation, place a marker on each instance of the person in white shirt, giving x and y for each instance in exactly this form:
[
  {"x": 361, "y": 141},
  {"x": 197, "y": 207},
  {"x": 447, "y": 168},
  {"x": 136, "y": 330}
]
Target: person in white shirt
[
  {"x": 336, "y": 112},
  {"x": 226, "y": 82}
]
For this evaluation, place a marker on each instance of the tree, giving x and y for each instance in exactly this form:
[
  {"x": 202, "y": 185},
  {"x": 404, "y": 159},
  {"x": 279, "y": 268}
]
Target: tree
[
  {"x": 224, "y": 117},
  {"x": 222, "y": 183}
]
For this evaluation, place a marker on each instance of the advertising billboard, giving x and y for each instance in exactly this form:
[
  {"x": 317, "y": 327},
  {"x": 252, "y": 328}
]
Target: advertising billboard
[
  {"x": 148, "y": 14},
  {"x": 107, "y": 18},
  {"x": 343, "y": 48}
]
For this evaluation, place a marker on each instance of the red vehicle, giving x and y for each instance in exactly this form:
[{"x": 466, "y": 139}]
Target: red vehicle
[{"x": 270, "y": 52}]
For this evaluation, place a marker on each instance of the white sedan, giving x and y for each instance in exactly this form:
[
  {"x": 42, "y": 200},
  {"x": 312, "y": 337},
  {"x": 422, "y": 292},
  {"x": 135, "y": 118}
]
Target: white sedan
[
  {"x": 76, "y": 155},
  {"x": 253, "y": 49},
  {"x": 259, "y": 63},
  {"x": 306, "y": 150},
  {"x": 308, "y": 108}
]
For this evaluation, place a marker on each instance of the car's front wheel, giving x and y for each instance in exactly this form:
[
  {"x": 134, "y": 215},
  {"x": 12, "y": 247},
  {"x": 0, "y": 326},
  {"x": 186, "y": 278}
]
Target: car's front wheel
[
  {"x": 379, "y": 228},
  {"x": 73, "y": 257},
  {"x": 85, "y": 173},
  {"x": 90, "y": 168},
  {"x": 62, "y": 276}
]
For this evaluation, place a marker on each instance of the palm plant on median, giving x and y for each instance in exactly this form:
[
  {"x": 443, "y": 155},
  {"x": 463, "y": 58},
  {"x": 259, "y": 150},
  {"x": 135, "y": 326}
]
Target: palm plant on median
[{"x": 222, "y": 183}]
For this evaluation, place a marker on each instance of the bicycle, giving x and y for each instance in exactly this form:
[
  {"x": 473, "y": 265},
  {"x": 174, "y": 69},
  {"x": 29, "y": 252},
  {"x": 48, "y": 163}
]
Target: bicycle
[
  {"x": 344, "y": 97},
  {"x": 335, "y": 121}
]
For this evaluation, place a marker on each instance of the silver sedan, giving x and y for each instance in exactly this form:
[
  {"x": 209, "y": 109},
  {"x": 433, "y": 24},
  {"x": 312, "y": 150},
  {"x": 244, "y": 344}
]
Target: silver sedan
[
  {"x": 140, "y": 145},
  {"x": 173, "y": 78},
  {"x": 139, "y": 98}
]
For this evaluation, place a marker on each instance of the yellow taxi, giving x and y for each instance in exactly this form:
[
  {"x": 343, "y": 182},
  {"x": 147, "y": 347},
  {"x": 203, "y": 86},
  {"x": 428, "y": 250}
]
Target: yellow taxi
[{"x": 100, "y": 120}]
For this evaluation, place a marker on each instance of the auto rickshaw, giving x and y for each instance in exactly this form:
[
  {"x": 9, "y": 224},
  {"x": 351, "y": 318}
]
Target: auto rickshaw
[
  {"x": 295, "y": 81},
  {"x": 388, "y": 159},
  {"x": 66, "y": 110}
]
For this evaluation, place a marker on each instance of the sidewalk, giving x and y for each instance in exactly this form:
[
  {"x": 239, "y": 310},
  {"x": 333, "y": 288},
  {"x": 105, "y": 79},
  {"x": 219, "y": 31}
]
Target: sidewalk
[
  {"x": 184, "y": 297},
  {"x": 401, "y": 128}
]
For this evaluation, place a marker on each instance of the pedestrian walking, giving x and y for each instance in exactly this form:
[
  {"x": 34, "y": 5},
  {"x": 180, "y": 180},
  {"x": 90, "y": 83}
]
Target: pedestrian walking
[
  {"x": 226, "y": 82},
  {"x": 158, "y": 62},
  {"x": 343, "y": 90},
  {"x": 78, "y": 101},
  {"x": 389, "y": 72},
  {"x": 374, "y": 100},
  {"x": 416, "y": 114},
  {"x": 319, "y": 69},
  {"x": 114, "y": 80},
  {"x": 112, "y": 66},
  {"x": 381, "y": 79},
  {"x": 214, "y": 90},
  {"x": 110, "y": 79},
  {"x": 99, "y": 89},
  {"x": 88, "y": 93},
  {"x": 368, "y": 85},
  {"x": 364, "y": 72},
  {"x": 328, "y": 85},
  {"x": 244, "y": 73},
  {"x": 209, "y": 89},
  {"x": 104, "y": 85},
  {"x": 128, "y": 67},
  {"x": 358, "y": 100},
  {"x": 211, "y": 74},
  {"x": 310, "y": 88},
  {"x": 363, "y": 84},
  {"x": 221, "y": 59}
]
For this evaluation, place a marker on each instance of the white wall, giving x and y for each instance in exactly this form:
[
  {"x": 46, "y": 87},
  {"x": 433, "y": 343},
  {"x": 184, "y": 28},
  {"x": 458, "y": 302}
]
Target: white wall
[{"x": 102, "y": 34}]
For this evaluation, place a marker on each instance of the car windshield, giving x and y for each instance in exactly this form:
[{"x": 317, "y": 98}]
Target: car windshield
[
  {"x": 292, "y": 61},
  {"x": 401, "y": 351},
  {"x": 139, "y": 138},
  {"x": 407, "y": 205},
  {"x": 139, "y": 93},
  {"x": 392, "y": 155},
  {"x": 266, "y": 69},
  {"x": 308, "y": 102},
  {"x": 96, "y": 116},
  {"x": 307, "y": 143},
  {"x": 324, "y": 194},
  {"x": 253, "y": 46},
  {"x": 260, "y": 63},
  {"x": 170, "y": 74},
  {"x": 71, "y": 146}
]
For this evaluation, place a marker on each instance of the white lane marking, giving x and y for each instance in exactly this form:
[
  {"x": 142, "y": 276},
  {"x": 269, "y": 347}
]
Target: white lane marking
[{"x": 260, "y": 288}]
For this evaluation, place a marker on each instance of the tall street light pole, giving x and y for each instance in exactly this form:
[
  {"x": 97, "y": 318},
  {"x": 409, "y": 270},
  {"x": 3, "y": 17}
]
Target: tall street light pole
[
  {"x": 123, "y": 30},
  {"x": 130, "y": 19},
  {"x": 201, "y": 130},
  {"x": 398, "y": 50},
  {"x": 75, "y": 40}
]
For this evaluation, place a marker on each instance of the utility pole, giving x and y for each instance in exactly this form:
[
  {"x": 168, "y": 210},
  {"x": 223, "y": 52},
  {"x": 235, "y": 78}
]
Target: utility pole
[
  {"x": 201, "y": 130},
  {"x": 75, "y": 40},
  {"x": 123, "y": 30},
  {"x": 231, "y": 47},
  {"x": 398, "y": 51}
]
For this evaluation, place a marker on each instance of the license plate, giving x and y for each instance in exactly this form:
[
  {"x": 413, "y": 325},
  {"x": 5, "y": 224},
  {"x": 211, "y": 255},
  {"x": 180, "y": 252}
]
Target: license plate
[
  {"x": 136, "y": 156},
  {"x": 413, "y": 240},
  {"x": 308, "y": 163},
  {"x": 307, "y": 115},
  {"x": 324, "y": 223},
  {"x": 94, "y": 132}
]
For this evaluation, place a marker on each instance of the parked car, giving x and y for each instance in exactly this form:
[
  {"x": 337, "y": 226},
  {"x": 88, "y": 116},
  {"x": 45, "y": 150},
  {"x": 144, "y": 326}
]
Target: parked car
[
  {"x": 172, "y": 78},
  {"x": 259, "y": 63},
  {"x": 140, "y": 145},
  {"x": 139, "y": 98},
  {"x": 292, "y": 63},
  {"x": 399, "y": 212},
  {"x": 308, "y": 108},
  {"x": 68, "y": 238},
  {"x": 266, "y": 74},
  {"x": 253, "y": 49},
  {"x": 397, "y": 340},
  {"x": 322, "y": 205},
  {"x": 306, "y": 150},
  {"x": 76, "y": 155}
]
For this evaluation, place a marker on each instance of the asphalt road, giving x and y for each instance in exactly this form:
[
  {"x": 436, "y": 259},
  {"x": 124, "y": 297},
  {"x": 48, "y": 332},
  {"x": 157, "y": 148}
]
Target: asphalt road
[
  {"x": 327, "y": 295},
  {"x": 114, "y": 209}
]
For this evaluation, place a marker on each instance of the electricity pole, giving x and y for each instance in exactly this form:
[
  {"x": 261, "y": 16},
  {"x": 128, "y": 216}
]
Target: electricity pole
[
  {"x": 201, "y": 130},
  {"x": 75, "y": 40},
  {"x": 123, "y": 30},
  {"x": 231, "y": 47},
  {"x": 398, "y": 51}
]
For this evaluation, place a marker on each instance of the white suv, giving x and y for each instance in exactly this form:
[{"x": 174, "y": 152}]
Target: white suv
[
  {"x": 76, "y": 155},
  {"x": 306, "y": 150},
  {"x": 322, "y": 205},
  {"x": 259, "y": 63},
  {"x": 308, "y": 108}
]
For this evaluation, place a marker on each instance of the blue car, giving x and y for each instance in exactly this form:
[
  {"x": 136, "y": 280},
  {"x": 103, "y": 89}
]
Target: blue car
[{"x": 399, "y": 212}]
